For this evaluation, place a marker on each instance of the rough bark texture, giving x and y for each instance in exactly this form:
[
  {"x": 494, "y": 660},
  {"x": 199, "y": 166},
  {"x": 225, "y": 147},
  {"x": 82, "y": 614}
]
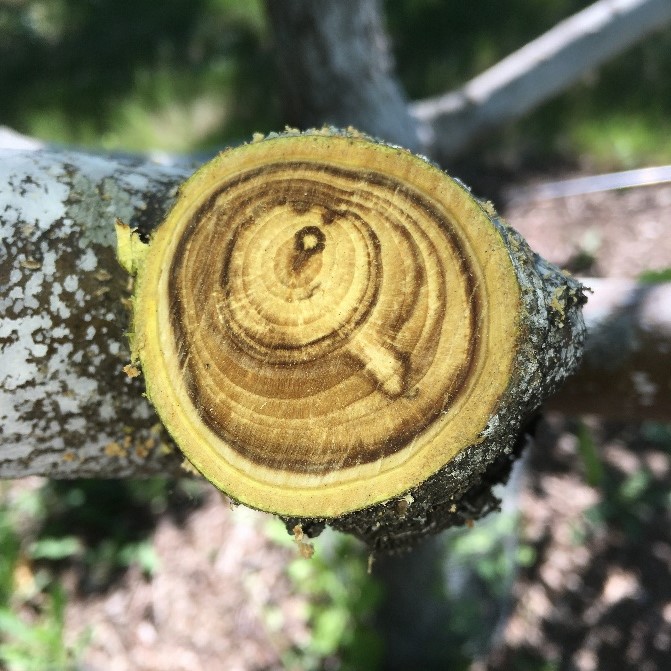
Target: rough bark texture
[
  {"x": 335, "y": 68},
  {"x": 66, "y": 407}
]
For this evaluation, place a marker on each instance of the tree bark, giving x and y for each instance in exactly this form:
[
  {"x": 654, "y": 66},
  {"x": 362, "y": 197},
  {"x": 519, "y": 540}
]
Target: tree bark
[
  {"x": 66, "y": 407},
  {"x": 336, "y": 68}
]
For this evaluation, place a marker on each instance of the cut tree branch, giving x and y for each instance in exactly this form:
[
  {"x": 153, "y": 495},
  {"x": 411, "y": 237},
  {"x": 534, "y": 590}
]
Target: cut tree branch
[{"x": 66, "y": 407}]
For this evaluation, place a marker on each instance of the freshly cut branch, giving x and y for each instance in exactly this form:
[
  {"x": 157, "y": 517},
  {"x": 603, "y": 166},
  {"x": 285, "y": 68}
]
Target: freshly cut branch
[
  {"x": 541, "y": 69},
  {"x": 67, "y": 409},
  {"x": 332, "y": 329}
]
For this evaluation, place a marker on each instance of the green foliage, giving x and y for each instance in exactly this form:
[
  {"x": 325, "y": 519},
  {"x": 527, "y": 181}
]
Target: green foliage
[
  {"x": 342, "y": 600},
  {"x": 136, "y": 74},
  {"x": 184, "y": 75},
  {"x": 481, "y": 567},
  {"x": 9, "y": 555},
  {"x": 627, "y": 499},
  {"x": 99, "y": 528},
  {"x": 524, "y": 660},
  {"x": 655, "y": 276},
  {"x": 594, "y": 473},
  {"x": 39, "y": 645},
  {"x": 55, "y": 548},
  {"x": 32, "y": 616},
  {"x": 104, "y": 524}
]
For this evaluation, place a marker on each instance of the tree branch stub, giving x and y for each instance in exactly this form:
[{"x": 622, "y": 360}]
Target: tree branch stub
[{"x": 334, "y": 330}]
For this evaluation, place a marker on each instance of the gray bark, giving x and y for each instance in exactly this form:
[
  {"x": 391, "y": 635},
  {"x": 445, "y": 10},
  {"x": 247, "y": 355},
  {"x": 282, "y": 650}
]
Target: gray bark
[
  {"x": 536, "y": 72},
  {"x": 335, "y": 68},
  {"x": 66, "y": 407}
]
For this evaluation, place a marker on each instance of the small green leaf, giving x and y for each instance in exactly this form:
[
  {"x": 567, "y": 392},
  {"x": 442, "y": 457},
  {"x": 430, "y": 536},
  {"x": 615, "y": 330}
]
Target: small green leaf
[
  {"x": 635, "y": 485},
  {"x": 328, "y": 630},
  {"x": 55, "y": 548},
  {"x": 655, "y": 276},
  {"x": 590, "y": 457}
]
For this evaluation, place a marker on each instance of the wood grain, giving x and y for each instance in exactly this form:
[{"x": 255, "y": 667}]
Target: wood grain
[{"x": 324, "y": 321}]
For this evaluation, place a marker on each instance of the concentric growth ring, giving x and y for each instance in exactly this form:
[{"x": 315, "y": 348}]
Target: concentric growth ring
[{"x": 324, "y": 317}]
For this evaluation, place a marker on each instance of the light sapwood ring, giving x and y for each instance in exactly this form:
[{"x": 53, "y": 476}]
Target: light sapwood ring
[{"x": 325, "y": 322}]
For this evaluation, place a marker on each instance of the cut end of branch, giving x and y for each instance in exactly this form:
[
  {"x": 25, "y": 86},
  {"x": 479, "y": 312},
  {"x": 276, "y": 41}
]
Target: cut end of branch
[{"x": 325, "y": 322}]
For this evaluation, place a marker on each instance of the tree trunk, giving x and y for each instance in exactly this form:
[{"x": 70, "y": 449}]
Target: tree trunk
[
  {"x": 336, "y": 68},
  {"x": 333, "y": 330}
]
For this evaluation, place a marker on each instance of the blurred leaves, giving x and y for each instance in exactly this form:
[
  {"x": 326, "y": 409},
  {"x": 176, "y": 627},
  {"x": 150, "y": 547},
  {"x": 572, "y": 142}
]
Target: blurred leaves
[
  {"x": 40, "y": 645},
  {"x": 189, "y": 75},
  {"x": 343, "y": 597},
  {"x": 99, "y": 528},
  {"x": 104, "y": 525},
  {"x": 594, "y": 473},
  {"x": 32, "y": 605},
  {"x": 655, "y": 276},
  {"x": 178, "y": 74},
  {"x": 55, "y": 548},
  {"x": 628, "y": 499}
]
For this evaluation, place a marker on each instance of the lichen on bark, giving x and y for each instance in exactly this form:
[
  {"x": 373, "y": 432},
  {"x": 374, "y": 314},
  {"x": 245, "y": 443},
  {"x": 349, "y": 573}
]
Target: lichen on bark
[{"x": 67, "y": 408}]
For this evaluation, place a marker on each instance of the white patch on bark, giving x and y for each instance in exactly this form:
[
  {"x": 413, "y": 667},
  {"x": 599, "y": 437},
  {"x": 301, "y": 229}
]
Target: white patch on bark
[{"x": 62, "y": 324}]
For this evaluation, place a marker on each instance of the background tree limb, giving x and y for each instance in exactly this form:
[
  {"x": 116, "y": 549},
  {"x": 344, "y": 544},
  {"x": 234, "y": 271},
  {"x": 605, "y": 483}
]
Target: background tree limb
[
  {"x": 336, "y": 68},
  {"x": 627, "y": 360},
  {"x": 539, "y": 70}
]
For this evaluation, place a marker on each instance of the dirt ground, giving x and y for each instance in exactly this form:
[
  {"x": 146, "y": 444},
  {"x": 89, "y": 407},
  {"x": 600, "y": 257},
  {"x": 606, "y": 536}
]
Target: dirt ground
[{"x": 597, "y": 596}]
